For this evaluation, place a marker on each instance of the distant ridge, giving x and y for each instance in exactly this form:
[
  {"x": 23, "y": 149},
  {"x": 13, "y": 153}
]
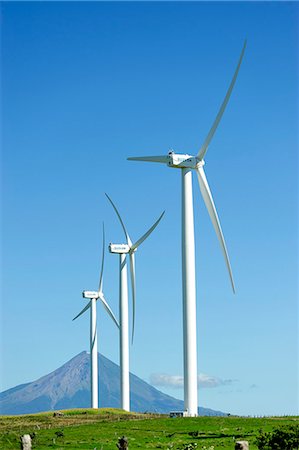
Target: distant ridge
[{"x": 69, "y": 387}]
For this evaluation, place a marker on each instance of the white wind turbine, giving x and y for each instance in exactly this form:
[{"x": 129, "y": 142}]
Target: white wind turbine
[
  {"x": 93, "y": 296},
  {"x": 187, "y": 163},
  {"x": 124, "y": 249}
]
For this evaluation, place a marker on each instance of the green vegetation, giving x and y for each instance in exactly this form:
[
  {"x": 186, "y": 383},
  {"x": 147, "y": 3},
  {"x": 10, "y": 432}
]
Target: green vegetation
[
  {"x": 283, "y": 438},
  {"x": 100, "y": 429}
]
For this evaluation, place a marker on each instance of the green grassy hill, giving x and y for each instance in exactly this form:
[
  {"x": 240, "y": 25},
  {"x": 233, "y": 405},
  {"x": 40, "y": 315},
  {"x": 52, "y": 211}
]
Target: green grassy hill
[{"x": 100, "y": 429}]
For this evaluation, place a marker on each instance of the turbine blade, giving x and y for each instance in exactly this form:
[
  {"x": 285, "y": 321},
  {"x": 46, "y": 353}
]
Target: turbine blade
[
  {"x": 108, "y": 309},
  {"x": 208, "y": 199},
  {"x": 133, "y": 284},
  {"x": 158, "y": 159},
  {"x": 103, "y": 257},
  {"x": 211, "y": 133},
  {"x": 120, "y": 219},
  {"x": 83, "y": 310},
  {"x": 94, "y": 339},
  {"x": 137, "y": 243}
]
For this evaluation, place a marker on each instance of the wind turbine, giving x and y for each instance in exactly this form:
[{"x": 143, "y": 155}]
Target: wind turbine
[
  {"x": 123, "y": 250},
  {"x": 93, "y": 296},
  {"x": 187, "y": 163}
]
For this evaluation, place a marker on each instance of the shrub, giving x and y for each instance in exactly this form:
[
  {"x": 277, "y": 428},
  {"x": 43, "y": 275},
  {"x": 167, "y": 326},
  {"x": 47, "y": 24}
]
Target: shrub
[
  {"x": 59, "y": 433},
  {"x": 284, "y": 438}
]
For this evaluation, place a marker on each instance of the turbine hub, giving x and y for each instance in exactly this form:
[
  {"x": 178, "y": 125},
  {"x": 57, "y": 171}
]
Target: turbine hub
[{"x": 200, "y": 163}]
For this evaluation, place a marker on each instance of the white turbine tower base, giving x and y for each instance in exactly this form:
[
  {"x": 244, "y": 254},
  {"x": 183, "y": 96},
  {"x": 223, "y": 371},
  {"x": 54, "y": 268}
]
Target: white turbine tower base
[
  {"x": 94, "y": 371},
  {"x": 124, "y": 334},
  {"x": 187, "y": 163},
  {"x": 124, "y": 249},
  {"x": 93, "y": 296},
  {"x": 189, "y": 296}
]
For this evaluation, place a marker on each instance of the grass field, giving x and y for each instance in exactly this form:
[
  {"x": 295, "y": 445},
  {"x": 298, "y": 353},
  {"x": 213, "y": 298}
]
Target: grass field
[{"x": 100, "y": 429}]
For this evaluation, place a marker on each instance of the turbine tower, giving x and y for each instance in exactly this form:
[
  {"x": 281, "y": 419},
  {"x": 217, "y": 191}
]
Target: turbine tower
[
  {"x": 187, "y": 163},
  {"x": 93, "y": 296},
  {"x": 123, "y": 250}
]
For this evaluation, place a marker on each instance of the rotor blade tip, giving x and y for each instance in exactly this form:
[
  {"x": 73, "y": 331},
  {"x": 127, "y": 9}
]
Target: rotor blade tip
[{"x": 233, "y": 286}]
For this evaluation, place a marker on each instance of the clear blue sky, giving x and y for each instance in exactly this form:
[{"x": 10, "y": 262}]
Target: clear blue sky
[{"x": 84, "y": 86}]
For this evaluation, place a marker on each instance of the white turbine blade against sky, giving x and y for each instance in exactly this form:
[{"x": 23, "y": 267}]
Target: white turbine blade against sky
[
  {"x": 121, "y": 221},
  {"x": 146, "y": 235},
  {"x": 93, "y": 336},
  {"x": 204, "y": 147},
  {"x": 83, "y": 310},
  {"x": 108, "y": 309},
  {"x": 208, "y": 199},
  {"x": 132, "y": 266},
  {"x": 159, "y": 159},
  {"x": 133, "y": 287},
  {"x": 103, "y": 258}
]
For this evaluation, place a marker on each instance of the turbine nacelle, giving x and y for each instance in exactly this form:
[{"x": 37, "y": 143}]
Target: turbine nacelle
[
  {"x": 90, "y": 294},
  {"x": 119, "y": 248},
  {"x": 180, "y": 161},
  {"x": 175, "y": 160}
]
